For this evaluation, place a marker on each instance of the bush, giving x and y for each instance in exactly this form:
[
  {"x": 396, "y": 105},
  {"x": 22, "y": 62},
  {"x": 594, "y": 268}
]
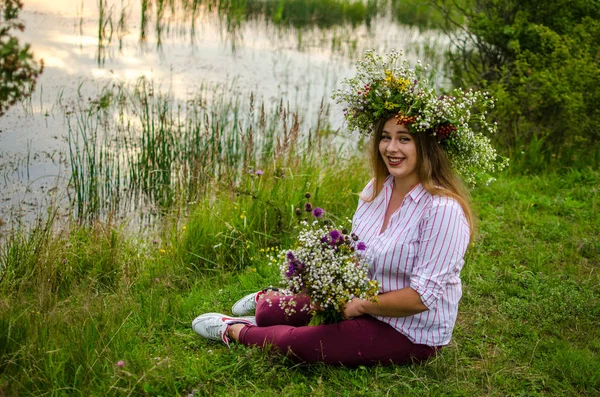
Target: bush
[
  {"x": 18, "y": 69},
  {"x": 541, "y": 62}
]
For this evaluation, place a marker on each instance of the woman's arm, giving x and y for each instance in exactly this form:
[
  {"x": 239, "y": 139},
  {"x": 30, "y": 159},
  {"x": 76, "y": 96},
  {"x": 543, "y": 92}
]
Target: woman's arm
[{"x": 399, "y": 303}]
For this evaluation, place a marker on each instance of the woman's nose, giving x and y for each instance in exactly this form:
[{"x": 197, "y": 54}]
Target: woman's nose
[{"x": 393, "y": 145}]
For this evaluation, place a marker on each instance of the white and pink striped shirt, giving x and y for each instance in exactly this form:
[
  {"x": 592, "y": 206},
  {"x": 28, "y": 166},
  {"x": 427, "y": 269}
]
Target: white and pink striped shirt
[{"x": 423, "y": 248}]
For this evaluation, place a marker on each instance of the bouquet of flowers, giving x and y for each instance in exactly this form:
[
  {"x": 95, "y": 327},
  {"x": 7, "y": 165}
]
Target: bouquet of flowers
[{"x": 328, "y": 265}]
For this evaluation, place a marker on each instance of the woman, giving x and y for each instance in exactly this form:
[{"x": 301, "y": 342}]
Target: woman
[{"x": 415, "y": 219}]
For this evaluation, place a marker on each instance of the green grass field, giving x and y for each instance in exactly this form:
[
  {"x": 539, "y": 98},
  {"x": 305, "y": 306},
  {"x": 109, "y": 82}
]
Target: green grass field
[{"x": 75, "y": 300}]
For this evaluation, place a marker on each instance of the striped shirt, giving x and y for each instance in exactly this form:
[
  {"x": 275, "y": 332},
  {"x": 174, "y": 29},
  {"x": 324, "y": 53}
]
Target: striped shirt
[{"x": 423, "y": 248}]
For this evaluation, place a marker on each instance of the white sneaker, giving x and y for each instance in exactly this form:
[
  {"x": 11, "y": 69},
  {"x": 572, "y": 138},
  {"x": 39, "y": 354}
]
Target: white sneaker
[
  {"x": 214, "y": 326},
  {"x": 247, "y": 304}
]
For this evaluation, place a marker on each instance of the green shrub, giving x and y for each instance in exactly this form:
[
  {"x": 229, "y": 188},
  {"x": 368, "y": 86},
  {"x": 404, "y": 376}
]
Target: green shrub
[{"x": 541, "y": 62}]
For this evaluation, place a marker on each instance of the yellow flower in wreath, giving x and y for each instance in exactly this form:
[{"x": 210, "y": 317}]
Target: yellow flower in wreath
[{"x": 395, "y": 83}]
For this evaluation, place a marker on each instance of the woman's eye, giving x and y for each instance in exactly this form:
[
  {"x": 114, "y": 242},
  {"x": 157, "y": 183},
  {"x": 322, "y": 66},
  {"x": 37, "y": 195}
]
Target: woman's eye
[{"x": 385, "y": 138}]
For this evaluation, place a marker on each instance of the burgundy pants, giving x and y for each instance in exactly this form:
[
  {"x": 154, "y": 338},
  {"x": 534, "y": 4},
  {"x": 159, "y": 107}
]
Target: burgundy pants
[{"x": 363, "y": 340}]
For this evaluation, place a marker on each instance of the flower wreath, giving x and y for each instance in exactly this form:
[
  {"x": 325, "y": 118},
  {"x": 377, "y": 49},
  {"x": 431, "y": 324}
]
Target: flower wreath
[{"x": 384, "y": 86}]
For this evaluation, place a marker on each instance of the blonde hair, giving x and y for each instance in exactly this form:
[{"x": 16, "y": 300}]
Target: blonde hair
[{"x": 433, "y": 167}]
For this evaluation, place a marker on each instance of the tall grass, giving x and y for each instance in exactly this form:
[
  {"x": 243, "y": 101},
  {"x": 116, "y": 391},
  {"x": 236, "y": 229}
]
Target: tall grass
[
  {"x": 145, "y": 11},
  {"x": 314, "y": 13},
  {"x": 95, "y": 167},
  {"x": 135, "y": 146},
  {"x": 263, "y": 209},
  {"x": 105, "y": 30}
]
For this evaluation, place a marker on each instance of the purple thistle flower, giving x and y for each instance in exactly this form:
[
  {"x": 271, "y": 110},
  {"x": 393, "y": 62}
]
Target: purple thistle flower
[
  {"x": 120, "y": 363},
  {"x": 324, "y": 239},
  {"x": 308, "y": 207},
  {"x": 318, "y": 212},
  {"x": 361, "y": 246},
  {"x": 258, "y": 172},
  {"x": 290, "y": 255},
  {"x": 335, "y": 234}
]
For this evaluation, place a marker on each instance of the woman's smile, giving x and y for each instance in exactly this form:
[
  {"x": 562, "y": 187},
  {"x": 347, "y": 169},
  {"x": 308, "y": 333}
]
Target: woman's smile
[{"x": 395, "y": 161}]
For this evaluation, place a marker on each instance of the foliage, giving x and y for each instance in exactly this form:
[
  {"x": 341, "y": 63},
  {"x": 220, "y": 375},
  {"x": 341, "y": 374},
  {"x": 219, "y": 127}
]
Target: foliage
[
  {"x": 541, "y": 61},
  {"x": 18, "y": 69}
]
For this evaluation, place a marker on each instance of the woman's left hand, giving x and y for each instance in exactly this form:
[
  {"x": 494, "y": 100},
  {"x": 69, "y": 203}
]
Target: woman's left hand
[{"x": 354, "y": 308}]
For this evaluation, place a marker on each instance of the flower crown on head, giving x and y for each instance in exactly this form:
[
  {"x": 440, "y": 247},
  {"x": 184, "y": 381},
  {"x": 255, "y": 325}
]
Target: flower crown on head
[{"x": 384, "y": 86}]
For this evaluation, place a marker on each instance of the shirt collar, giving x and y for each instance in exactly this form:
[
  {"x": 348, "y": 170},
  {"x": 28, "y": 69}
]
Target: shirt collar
[
  {"x": 417, "y": 193},
  {"x": 389, "y": 181}
]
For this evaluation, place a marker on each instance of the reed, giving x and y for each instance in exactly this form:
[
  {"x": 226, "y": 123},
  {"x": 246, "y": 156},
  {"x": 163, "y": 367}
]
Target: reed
[
  {"x": 135, "y": 147},
  {"x": 144, "y": 20},
  {"x": 122, "y": 24},
  {"x": 105, "y": 30},
  {"x": 323, "y": 21}
]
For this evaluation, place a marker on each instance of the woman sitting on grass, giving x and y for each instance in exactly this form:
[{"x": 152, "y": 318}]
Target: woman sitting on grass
[{"x": 414, "y": 218}]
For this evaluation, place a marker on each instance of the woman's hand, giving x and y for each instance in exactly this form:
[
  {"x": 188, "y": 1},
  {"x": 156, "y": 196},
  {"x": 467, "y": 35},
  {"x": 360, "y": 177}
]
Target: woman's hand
[{"x": 354, "y": 308}]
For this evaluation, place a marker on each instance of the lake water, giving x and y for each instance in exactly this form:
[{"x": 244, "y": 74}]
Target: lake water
[{"x": 180, "y": 45}]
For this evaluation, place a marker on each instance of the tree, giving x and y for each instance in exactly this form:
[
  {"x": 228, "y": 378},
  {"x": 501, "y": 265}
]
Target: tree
[{"x": 18, "y": 68}]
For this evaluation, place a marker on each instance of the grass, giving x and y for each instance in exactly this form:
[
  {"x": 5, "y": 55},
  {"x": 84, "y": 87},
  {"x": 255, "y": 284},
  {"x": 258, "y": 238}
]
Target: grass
[
  {"x": 135, "y": 147},
  {"x": 75, "y": 300}
]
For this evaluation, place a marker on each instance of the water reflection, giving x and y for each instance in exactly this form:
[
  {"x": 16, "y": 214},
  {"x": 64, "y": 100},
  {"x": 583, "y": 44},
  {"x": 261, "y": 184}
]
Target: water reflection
[
  {"x": 343, "y": 28},
  {"x": 322, "y": 23}
]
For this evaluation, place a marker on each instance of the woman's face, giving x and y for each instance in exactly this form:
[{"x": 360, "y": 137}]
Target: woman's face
[{"x": 399, "y": 152}]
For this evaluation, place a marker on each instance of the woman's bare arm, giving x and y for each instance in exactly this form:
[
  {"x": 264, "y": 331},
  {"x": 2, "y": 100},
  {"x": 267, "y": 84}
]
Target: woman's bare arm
[{"x": 399, "y": 303}]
